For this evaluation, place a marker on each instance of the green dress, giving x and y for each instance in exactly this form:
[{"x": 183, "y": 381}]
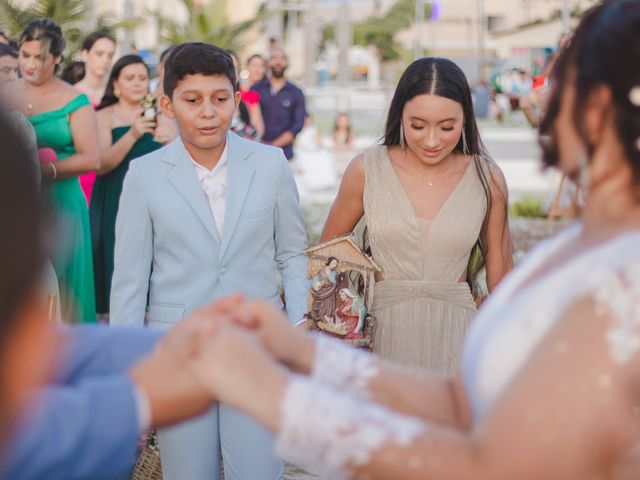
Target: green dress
[
  {"x": 73, "y": 263},
  {"x": 104, "y": 209}
]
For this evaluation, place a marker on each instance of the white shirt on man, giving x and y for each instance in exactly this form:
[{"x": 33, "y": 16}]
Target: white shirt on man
[{"x": 214, "y": 186}]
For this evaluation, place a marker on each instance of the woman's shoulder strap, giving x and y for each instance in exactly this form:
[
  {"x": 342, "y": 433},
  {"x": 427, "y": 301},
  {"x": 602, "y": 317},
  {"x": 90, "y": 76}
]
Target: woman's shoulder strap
[
  {"x": 373, "y": 157},
  {"x": 76, "y": 103}
]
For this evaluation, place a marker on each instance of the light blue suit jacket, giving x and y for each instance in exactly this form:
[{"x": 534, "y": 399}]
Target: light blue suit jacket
[
  {"x": 85, "y": 422},
  {"x": 167, "y": 244}
]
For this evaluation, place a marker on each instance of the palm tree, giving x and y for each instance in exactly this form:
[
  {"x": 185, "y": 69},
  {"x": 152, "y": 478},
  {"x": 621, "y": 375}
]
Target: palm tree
[
  {"x": 69, "y": 14},
  {"x": 208, "y": 22}
]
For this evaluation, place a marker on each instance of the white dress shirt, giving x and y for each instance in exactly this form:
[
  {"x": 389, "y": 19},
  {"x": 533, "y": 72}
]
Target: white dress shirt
[{"x": 214, "y": 186}]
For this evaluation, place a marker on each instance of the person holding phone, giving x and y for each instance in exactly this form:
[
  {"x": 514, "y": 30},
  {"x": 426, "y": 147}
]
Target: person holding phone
[{"x": 126, "y": 131}]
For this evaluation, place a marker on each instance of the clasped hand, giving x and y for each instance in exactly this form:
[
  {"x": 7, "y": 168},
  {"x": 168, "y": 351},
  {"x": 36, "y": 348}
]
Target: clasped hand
[{"x": 233, "y": 352}]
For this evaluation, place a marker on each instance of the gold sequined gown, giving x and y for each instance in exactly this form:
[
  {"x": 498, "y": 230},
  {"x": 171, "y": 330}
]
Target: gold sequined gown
[{"x": 421, "y": 307}]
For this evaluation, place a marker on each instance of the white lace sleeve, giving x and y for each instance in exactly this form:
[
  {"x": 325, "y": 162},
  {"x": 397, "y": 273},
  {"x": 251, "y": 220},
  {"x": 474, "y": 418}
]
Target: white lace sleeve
[
  {"x": 342, "y": 366},
  {"x": 324, "y": 428},
  {"x": 618, "y": 295}
]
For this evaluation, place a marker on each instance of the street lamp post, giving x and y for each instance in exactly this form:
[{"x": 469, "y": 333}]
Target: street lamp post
[
  {"x": 481, "y": 33},
  {"x": 275, "y": 22},
  {"x": 275, "y": 30},
  {"x": 565, "y": 16},
  {"x": 310, "y": 43},
  {"x": 418, "y": 52},
  {"x": 128, "y": 41},
  {"x": 344, "y": 40},
  {"x": 292, "y": 25},
  {"x": 89, "y": 15}
]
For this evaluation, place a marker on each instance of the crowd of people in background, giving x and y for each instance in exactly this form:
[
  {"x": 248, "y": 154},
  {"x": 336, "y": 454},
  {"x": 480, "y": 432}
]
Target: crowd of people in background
[
  {"x": 184, "y": 211},
  {"x": 86, "y": 144},
  {"x": 518, "y": 88}
]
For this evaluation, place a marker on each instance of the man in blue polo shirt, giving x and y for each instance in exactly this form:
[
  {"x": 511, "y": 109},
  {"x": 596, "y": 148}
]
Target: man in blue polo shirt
[{"x": 282, "y": 104}]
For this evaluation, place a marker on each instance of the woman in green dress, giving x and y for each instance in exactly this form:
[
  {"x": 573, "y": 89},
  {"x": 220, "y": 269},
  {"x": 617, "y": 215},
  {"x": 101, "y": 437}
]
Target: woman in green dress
[
  {"x": 65, "y": 122},
  {"x": 125, "y": 132}
]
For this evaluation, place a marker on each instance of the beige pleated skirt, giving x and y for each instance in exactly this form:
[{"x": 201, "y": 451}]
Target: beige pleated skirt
[{"x": 420, "y": 328}]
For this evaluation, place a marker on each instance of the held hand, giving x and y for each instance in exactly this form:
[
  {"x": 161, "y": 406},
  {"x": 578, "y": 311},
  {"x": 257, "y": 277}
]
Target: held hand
[
  {"x": 236, "y": 369},
  {"x": 173, "y": 390},
  {"x": 175, "y": 393},
  {"x": 142, "y": 125},
  {"x": 291, "y": 346},
  {"x": 194, "y": 329}
]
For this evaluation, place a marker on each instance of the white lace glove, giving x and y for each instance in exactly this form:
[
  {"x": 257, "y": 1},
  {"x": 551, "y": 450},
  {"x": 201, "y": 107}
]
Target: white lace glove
[
  {"x": 342, "y": 366},
  {"x": 324, "y": 428},
  {"x": 618, "y": 295}
]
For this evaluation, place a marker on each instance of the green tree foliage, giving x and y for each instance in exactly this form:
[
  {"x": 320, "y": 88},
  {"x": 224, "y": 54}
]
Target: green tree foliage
[
  {"x": 208, "y": 22},
  {"x": 69, "y": 14},
  {"x": 381, "y": 30}
]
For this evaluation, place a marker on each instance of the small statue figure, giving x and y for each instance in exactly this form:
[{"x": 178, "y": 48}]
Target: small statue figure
[
  {"x": 351, "y": 314},
  {"x": 323, "y": 291},
  {"x": 338, "y": 268}
]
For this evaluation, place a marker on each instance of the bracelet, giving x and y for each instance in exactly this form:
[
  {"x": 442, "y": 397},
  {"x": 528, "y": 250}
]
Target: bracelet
[{"x": 55, "y": 171}]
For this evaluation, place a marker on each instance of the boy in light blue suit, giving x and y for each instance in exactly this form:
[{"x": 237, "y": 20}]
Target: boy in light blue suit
[{"x": 208, "y": 215}]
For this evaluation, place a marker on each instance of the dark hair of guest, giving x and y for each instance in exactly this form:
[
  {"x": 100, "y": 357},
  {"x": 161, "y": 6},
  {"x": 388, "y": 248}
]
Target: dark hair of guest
[
  {"x": 22, "y": 252},
  {"x": 605, "y": 50},
  {"x": 7, "y": 50},
  {"x": 73, "y": 73},
  {"x": 48, "y": 32},
  {"x": 92, "y": 38},
  {"x": 109, "y": 98}
]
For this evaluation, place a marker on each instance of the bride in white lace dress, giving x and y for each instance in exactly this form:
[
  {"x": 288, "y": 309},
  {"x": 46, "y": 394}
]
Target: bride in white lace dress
[{"x": 550, "y": 380}]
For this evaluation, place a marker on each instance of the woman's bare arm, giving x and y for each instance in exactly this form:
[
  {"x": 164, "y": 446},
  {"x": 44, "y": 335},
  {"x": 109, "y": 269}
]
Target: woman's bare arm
[
  {"x": 348, "y": 207},
  {"x": 499, "y": 256},
  {"x": 84, "y": 131},
  {"x": 570, "y": 413}
]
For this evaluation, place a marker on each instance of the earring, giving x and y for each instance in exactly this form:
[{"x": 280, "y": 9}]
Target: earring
[
  {"x": 403, "y": 145},
  {"x": 465, "y": 147}
]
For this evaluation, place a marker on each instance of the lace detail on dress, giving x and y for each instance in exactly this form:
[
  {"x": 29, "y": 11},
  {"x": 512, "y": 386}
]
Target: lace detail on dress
[
  {"x": 619, "y": 295},
  {"x": 343, "y": 366},
  {"x": 326, "y": 429}
]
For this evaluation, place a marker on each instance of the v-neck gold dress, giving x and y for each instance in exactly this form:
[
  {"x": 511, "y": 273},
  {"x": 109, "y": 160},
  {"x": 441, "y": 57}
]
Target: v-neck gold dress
[{"x": 422, "y": 308}]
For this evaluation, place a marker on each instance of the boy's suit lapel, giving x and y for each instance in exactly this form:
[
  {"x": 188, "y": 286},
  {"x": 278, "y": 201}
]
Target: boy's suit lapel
[
  {"x": 185, "y": 179},
  {"x": 240, "y": 171}
]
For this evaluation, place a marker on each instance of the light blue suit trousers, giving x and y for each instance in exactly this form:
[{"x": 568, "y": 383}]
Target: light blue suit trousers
[{"x": 168, "y": 246}]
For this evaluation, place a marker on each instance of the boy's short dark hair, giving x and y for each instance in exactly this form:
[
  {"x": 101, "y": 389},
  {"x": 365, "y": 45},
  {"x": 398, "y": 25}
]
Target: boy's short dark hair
[
  {"x": 8, "y": 50},
  {"x": 165, "y": 52},
  {"x": 192, "y": 58}
]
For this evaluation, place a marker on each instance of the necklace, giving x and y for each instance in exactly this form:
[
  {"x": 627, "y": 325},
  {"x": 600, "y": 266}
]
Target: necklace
[
  {"x": 425, "y": 179},
  {"x": 48, "y": 88}
]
